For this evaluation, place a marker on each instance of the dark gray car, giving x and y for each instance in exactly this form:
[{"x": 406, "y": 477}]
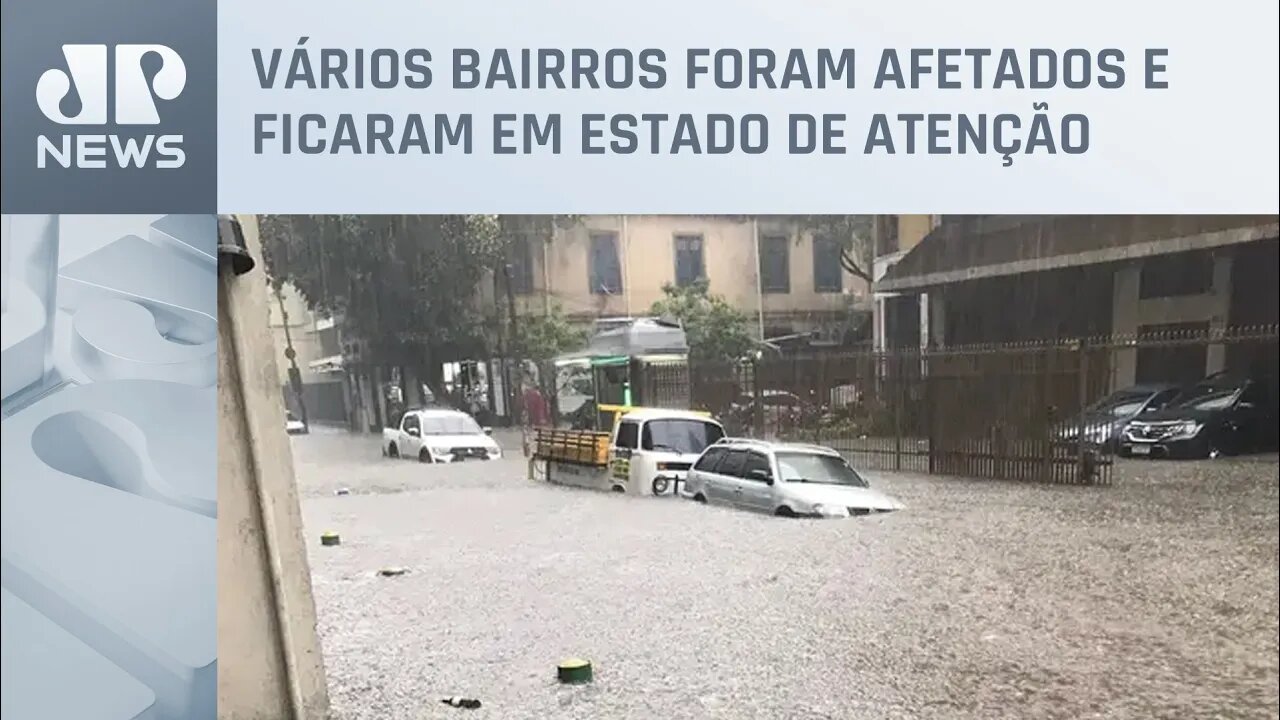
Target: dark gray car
[{"x": 1103, "y": 422}]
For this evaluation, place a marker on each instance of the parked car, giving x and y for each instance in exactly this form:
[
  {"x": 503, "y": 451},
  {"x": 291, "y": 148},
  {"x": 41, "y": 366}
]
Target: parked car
[
  {"x": 1104, "y": 422},
  {"x": 779, "y": 411},
  {"x": 439, "y": 436},
  {"x": 783, "y": 479},
  {"x": 1222, "y": 414},
  {"x": 293, "y": 425}
]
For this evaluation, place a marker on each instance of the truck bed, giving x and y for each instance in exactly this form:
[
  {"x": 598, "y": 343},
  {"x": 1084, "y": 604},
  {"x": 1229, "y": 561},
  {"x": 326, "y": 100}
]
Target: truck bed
[{"x": 579, "y": 447}]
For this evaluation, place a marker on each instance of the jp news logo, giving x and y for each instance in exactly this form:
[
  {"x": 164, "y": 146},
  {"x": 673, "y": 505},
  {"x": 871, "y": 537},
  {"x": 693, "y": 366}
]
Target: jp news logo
[{"x": 136, "y": 97}]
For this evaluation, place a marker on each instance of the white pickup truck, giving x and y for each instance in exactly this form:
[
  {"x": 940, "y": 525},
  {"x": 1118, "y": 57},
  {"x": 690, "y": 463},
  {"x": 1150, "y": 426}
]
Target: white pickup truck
[{"x": 439, "y": 436}]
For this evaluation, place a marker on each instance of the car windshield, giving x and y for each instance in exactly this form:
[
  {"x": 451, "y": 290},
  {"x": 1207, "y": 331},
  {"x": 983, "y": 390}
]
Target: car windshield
[
  {"x": 687, "y": 437},
  {"x": 450, "y": 425},
  {"x": 817, "y": 468},
  {"x": 1207, "y": 396},
  {"x": 1121, "y": 404}
]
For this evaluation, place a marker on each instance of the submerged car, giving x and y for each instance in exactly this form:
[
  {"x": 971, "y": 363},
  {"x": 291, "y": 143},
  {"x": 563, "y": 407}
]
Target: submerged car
[
  {"x": 1222, "y": 414},
  {"x": 1103, "y": 423},
  {"x": 439, "y": 436},
  {"x": 783, "y": 479}
]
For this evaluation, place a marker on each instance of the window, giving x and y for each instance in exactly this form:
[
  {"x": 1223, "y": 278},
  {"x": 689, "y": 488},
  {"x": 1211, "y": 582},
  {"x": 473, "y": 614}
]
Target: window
[
  {"x": 1176, "y": 275},
  {"x": 411, "y": 422},
  {"x": 458, "y": 424},
  {"x": 687, "y": 437},
  {"x": 756, "y": 461},
  {"x": 707, "y": 463},
  {"x": 628, "y": 432},
  {"x": 605, "y": 270},
  {"x": 828, "y": 274},
  {"x": 732, "y": 463},
  {"x": 1162, "y": 399},
  {"x": 887, "y": 237},
  {"x": 775, "y": 264},
  {"x": 520, "y": 265},
  {"x": 817, "y": 469},
  {"x": 689, "y": 261}
]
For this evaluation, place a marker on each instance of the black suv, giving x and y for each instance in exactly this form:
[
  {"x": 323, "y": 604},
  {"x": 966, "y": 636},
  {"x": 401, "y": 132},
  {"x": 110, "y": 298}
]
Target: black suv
[{"x": 1222, "y": 414}]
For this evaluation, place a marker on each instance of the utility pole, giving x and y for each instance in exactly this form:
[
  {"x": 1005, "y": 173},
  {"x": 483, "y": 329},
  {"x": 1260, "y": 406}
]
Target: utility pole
[
  {"x": 512, "y": 336},
  {"x": 755, "y": 238},
  {"x": 295, "y": 375}
]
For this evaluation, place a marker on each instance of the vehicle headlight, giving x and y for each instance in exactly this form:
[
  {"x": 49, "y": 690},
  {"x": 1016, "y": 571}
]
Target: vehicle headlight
[
  {"x": 1189, "y": 428},
  {"x": 830, "y": 510},
  {"x": 495, "y": 452},
  {"x": 439, "y": 451}
]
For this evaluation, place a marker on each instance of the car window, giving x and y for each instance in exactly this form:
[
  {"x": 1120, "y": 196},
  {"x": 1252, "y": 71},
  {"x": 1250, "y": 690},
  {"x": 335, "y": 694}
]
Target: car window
[
  {"x": 804, "y": 467},
  {"x": 627, "y": 434},
  {"x": 458, "y": 424},
  {"x": 756, "y": 461},
  {"x": 732, "y": 463},
  {"x": 411, "y": 422},
  {"x": 1162, "y": 398},
  {"x": 707, "y": 463},
  {"x": 688, "y": 437},
  {"x": 1253, "y": 394}
]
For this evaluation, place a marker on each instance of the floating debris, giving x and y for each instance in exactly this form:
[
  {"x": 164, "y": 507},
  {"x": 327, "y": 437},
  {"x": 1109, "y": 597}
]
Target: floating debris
[
  {"x": 393, "y": 571},
  {"x": 461, "y": 702},
  {"x": 574, "y": 672},
  {"x": 329, "y": 539}
]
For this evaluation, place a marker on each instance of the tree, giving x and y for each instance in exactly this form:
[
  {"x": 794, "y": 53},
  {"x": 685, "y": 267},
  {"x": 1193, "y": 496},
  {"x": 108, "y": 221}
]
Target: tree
[
  {"x": 542, "y": 338},
  {"x": 715, "y": 330},
  {"x": 406, "y": 284},
  {"x": 852, "y": 232}
]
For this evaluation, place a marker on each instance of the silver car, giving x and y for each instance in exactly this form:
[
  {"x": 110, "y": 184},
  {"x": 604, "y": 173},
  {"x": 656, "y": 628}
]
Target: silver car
[{"x": 782, "y": 479}]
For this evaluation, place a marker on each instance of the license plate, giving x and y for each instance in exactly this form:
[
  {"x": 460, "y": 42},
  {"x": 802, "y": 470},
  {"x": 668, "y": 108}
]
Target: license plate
[{"x": 1141, "y": 449}]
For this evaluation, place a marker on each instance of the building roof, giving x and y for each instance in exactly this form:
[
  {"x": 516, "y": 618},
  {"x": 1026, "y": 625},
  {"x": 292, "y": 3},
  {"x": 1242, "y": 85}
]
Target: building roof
[
  {"x": 979, "y": 246},
  {"x": 634, "y": 337}
]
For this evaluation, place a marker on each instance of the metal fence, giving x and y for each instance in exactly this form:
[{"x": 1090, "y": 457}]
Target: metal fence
[{"x": 1001, "y": 411}]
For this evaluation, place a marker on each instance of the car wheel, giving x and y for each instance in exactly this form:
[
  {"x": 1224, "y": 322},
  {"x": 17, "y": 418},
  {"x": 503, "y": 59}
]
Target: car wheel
[
  {"x": 425, "y": 457},
  {"x": 785, "y": 511},
  {"x": 699, "y": 497},
  {"x": 619, "y": 489},
  {"x": 392, "y": 451}
]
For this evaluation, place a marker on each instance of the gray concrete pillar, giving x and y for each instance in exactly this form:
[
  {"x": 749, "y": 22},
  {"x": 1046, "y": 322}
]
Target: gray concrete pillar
[
  {"x": 1220, "y": 299},
  {"x": 1124, "y": 324}
]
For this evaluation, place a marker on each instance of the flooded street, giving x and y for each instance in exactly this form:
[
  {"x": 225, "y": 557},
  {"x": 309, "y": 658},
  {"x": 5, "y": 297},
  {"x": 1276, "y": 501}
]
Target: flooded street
[{"x": 1154, "y": 598}]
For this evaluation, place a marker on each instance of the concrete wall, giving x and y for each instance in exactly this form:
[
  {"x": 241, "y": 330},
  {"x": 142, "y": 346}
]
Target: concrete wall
[
  {"x": 646, "y": 248},
  {"x": 1131, "y": 313},
  {"x": 269, "y": 661}
]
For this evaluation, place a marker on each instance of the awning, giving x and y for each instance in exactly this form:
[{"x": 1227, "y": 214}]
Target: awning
[
  {"x": 333, "y": 363},
  {"x": 643, "y": 337},
  {"x": 983, "y": 246}
]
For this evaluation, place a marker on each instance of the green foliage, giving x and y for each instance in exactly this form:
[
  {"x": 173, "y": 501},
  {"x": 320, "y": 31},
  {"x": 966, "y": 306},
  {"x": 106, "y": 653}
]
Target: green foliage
[
  {"x": 406, "y": 283},
  {"x": 714, "y": 329},
  {"x": 544, "y": 337}
]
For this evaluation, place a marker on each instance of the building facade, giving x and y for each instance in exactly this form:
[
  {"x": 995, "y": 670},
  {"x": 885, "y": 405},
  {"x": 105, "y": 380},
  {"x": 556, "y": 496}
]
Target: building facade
[
  {"x": 781, "y": 277},
  {"x": 1009, "y": 279}
]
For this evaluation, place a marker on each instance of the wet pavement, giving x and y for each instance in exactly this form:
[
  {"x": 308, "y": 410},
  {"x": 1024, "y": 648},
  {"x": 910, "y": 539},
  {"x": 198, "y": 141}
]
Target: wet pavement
[{"x": 1153, "y": 598}]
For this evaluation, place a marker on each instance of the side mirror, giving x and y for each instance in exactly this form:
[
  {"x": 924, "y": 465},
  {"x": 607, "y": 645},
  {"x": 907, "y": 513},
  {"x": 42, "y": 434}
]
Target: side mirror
[
  {"x": 487, "y": 430},
  {"x": 414, "y": 432},
  {"x": 761, "y": 476}
]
